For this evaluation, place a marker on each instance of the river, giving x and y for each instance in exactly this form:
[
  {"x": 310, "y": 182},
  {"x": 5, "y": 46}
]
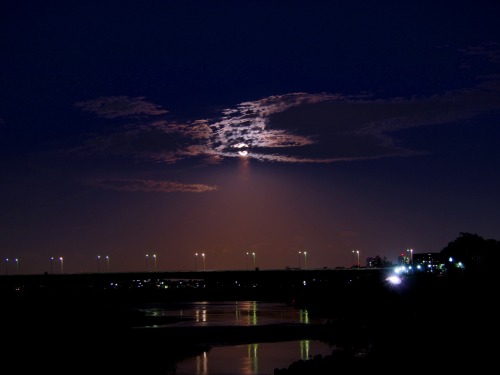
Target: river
[{"x": 249, "y": 359}]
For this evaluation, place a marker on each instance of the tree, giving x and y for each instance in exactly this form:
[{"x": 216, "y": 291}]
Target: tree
[{"x": 473, "y": 251}]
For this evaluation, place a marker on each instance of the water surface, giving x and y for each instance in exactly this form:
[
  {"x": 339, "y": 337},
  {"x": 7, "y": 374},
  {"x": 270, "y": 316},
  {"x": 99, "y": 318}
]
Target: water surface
[{"x": 251, "y": 359}]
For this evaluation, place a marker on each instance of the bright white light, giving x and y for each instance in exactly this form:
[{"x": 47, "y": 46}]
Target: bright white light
[
  {"x": 394, "y": 279},
  {"x": 243, "y": 148}
]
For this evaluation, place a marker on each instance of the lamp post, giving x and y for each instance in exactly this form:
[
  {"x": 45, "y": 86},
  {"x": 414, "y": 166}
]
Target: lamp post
[
  {"x": 300, "y": 252},
  {"x": 305, "y": 259},
  {"x": 203, "y": 256},
  {"x": 246, "y": 260},
  {"x": 17, "y": 265},
  {"x": 51, "y": 263},
  {"x": 107, "y": 263},
  {"x": 147, "y": 261},
  {"x": 196, "y": 261},
  {"x": 98, "y": 263},
  {"x": 254, "y": 260},
  {"x": 6, "y": 266},
  {"x": 410, "y": 256},
  {"x": 357, "y": 253},
  {"x": 62, "y": 264},
  {"x": 154, "y": 257}
]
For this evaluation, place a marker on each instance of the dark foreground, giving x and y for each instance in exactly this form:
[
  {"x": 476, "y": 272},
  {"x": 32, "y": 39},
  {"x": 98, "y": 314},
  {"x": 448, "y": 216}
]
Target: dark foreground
[{"x": 427, "y": 324}]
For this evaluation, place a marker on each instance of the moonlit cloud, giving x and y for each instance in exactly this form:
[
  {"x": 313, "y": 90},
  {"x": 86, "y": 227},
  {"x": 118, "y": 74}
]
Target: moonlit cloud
[
  {"x": 290, "y": 128},
  {"x": 120, "y": 106},
  {"x": 149, "y": 186}
]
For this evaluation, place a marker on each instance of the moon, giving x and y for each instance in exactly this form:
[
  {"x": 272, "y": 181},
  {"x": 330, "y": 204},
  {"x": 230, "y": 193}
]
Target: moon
[{"x": 242, "y": 148}]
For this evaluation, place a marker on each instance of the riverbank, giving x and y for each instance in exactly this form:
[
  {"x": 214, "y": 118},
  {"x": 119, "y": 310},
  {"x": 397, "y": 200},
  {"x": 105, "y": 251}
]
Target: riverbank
[{"x": 439, "y": 322}]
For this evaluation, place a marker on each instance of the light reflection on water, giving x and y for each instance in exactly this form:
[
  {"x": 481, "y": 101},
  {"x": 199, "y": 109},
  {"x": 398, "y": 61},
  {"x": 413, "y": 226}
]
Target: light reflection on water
[
  {"x": 251, "y": 359},
  {"x": 248, "y": 359},
  {"x": 239, "y": 313}
]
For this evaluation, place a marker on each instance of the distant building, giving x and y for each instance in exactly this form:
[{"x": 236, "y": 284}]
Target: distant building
[{"x": 428, "y": 262}]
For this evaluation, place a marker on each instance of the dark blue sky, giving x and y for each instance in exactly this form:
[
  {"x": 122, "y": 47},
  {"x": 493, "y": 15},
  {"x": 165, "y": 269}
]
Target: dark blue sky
[{"x": 173, "y": 127}]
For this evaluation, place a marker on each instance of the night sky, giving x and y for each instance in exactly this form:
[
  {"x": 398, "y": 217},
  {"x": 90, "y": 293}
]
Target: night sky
[{"x": 224, "y": 127}]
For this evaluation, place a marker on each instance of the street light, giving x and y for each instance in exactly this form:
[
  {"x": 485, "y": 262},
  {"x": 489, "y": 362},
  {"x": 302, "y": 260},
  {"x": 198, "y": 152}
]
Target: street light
[
  {"x": 107, "y": 263},
  {"x": 410, "y": 258},
  {"x": 196, "y": 261},
  {"x": 98, "y": 263},
  {"x": 147, "y": 260},
  {"x": 17, "y": 265},
  {"x": 253, "y": 260},
  {"x": 62, "y": 264},
  {"x": 305, "y": 259},
  {"x": 51, "y": 263},
  {"x": 246, "y": 260},
  {"x": 203, "y": 256},
  {"x": 154, "y": 257},
  {"x": 300, "y": 252},
  {"x": 6, "y": 266},
  {"x": 357, "y": 252}
]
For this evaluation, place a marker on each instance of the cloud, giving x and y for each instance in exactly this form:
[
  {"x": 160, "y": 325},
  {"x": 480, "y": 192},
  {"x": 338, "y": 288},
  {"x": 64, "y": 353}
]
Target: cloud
[
  {"x": 120, "y": 106},
  {"x": 490, "y": 50},
  {"x": 148, "y": 186},
  {"x": 295, "y": 127}
]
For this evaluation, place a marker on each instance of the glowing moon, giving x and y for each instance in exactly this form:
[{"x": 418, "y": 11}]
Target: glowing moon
[{"x": 243, "y": 149}]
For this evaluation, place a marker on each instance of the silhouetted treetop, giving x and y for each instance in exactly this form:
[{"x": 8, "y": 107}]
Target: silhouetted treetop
[{"x": 473, "y": 251}]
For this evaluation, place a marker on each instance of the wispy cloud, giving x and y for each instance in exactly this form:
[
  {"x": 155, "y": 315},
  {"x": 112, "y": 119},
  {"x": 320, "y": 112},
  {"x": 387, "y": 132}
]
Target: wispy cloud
[
  {"x": 120, "y": 106},
  {"x": 132, "y": 185},
  {"x": 490, "y": 50},
  {"x": 292, "y": 128}
]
